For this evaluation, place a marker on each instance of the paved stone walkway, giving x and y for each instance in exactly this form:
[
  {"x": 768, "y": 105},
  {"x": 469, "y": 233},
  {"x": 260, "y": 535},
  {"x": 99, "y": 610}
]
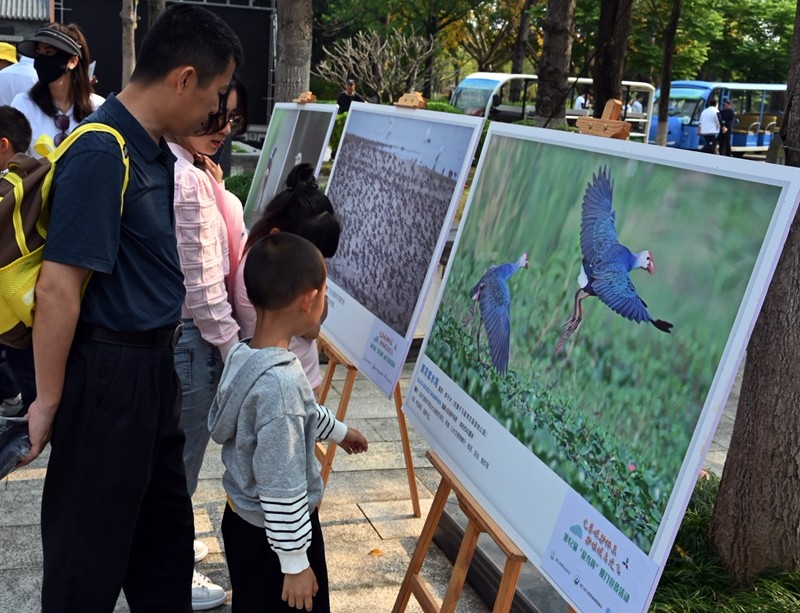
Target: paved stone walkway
[{"x": 370, "y": 531}]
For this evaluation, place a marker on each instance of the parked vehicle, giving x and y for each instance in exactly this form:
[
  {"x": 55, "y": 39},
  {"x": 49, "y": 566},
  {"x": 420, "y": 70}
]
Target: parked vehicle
[
  {"x": 758, "y": 107},
  {"x": 511, "y": 97}
]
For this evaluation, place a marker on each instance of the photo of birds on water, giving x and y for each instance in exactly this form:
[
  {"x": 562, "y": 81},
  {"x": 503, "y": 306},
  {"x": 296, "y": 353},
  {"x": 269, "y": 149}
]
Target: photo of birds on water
[
  {"x": 393, "y": 184},
  {"x": 608, "y": 405}
]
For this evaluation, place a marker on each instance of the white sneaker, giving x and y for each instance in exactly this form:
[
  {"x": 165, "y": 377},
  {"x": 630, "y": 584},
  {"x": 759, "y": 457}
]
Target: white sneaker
[
  {"x": 11, "y": 407},
  {"x": 200, "y": 550},
  {"x": 205, "y": 594}
]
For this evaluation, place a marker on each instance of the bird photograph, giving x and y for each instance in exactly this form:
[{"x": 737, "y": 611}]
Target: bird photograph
[
  {"x": 606, "y": 266},
  {"x": 612, "y": 413},
  {"x": 492, "y": 298}
]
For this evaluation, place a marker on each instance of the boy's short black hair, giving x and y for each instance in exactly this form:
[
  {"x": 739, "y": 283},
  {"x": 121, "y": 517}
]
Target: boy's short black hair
[
  {"x": 187, "y": 35},
  {"x": 16, "y": 128},
  {"x": 279, "y": 268}
]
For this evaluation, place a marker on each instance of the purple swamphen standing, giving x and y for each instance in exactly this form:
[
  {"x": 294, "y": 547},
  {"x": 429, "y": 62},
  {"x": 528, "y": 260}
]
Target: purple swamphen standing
[
  {"x": 492, "y": 295},
  {"x": 607, "y": 263}
]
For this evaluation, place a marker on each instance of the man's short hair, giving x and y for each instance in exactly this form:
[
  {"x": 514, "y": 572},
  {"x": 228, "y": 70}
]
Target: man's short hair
[
  {"x": 279, "y": 268},
  {"x": 187, "y": 35},
  {"x": 712, "y": 102},
  {"x": 16, "y": 128}
]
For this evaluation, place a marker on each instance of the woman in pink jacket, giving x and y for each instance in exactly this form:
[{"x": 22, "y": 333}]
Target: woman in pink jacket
[{"x": 209, "y": 224}]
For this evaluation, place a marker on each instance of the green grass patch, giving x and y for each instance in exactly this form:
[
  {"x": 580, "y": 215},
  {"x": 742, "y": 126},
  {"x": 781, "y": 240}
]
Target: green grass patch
[{"x": 695, "y": 581}]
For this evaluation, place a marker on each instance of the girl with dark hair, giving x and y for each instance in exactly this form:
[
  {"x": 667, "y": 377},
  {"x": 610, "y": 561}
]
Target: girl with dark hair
[
  {"x": 302, "y": 209},
  {"x": 63, "y": 96}
]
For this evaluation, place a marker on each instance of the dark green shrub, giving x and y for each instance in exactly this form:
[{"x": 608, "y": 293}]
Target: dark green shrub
[
  {"x": 336, "y": 133},
  {"x": 239, "y": 185},
  {"x": 443, "y": 107},
  {"x": 324, "y": 89}
]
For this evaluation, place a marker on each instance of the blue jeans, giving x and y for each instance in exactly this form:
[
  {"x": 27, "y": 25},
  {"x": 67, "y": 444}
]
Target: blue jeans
[{"x": 199, "y": 366}]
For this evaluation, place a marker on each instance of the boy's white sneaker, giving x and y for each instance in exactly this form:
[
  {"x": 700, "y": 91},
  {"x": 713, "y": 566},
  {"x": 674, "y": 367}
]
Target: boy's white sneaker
[
  {"x": 205, "y": 594},
  {"x": 200, "y": 550}
]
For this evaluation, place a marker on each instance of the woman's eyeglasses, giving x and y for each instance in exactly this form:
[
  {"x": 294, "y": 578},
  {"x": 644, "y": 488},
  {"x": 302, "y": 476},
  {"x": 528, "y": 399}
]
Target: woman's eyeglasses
[
  {"x": 218, "y": 121},
  {"x": 62, "y": 123}
]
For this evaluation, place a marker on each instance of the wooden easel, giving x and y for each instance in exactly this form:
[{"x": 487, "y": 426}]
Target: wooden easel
[
  {"x": 479, "y": 521},
  {"x": 325, "y": 455},
  {"x": 609, "y": 125}
]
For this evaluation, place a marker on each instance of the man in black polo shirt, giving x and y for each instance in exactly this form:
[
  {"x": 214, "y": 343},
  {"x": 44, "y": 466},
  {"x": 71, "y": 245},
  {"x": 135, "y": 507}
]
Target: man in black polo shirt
[
  {"x": 115, "y": 511},
  {"x": 348, "y": 96}
]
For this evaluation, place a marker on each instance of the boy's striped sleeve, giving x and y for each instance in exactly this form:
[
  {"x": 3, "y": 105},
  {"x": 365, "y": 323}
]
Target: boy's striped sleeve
[
  {"x": 288, "y": 527},
  {"x": 328, "y": 427}
]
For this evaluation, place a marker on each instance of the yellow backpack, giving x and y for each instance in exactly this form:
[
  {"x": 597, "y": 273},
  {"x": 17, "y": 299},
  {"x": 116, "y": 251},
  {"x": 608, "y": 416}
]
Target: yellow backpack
[{"x": 24, "y": 215}]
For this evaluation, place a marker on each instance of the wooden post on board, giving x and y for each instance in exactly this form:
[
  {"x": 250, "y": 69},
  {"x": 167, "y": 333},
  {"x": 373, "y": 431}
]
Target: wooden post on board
[
  {"x": 609, "y": 125},
  {"x": 479, "y": 521},
  {"x": 325, "y": 454}
]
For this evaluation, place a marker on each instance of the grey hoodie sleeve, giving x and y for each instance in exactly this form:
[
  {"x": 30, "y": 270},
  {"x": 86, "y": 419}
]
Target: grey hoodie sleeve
[{"x": 279, "y": 466}]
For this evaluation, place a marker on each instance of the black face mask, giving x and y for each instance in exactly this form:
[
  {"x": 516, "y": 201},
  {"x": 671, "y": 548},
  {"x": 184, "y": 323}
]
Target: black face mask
[{"x": 50, "y": 67}]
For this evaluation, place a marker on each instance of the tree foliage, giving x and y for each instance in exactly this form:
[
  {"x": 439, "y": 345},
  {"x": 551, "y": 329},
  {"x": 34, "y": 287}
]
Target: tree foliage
[
  {"x": 741, "y": 40},
  {"x": 389, "y": 66},
  {"x": 754, "y": 41},
  {"x": 487, "y": 36}
]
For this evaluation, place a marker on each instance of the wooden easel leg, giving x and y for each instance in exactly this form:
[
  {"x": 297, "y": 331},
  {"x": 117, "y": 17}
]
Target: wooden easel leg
[
  {"x": 505, "y": 591},
  {"x": 478, "y": 521},
  {"x": 328, "y": 379},
  {"x": 349, "y": 382},
  {"x": 412, "y": 478},
  {"x": 418, "y": 558},
  {"x": 465, "y": 552}
]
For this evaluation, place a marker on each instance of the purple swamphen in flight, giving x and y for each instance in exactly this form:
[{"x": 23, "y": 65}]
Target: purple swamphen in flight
[
  {"x": 492, "y": 296},
  {"x": 607, "y": 263}
]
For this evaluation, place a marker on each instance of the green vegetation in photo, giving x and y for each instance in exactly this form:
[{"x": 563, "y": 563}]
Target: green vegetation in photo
[{"x": 614, "y": 412}]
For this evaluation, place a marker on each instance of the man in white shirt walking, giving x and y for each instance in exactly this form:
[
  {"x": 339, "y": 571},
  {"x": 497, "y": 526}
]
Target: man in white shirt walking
[{"x": 710, "y": 126}]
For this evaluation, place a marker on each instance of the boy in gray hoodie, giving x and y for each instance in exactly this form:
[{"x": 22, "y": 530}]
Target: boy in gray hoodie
[{"x": 268, "y": 422}]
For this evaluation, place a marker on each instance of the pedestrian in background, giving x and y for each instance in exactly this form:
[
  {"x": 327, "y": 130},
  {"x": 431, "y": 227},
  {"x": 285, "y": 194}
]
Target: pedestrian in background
[
  {"x": 710, "y": 126},
  {"x": 348, "y": 96},
  {"x": 63, "y": 97},
  {"x": 727, "y": 116}
]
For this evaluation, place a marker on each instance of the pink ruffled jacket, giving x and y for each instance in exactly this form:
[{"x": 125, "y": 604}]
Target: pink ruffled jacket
[{"x": 204, "y": 253}]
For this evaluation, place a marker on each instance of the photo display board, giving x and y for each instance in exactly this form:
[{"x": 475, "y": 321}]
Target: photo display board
[
  {"x": 396, "y": 184},
  {"x": 296, "y": 133},
  {"x": 584, "y": 438}
]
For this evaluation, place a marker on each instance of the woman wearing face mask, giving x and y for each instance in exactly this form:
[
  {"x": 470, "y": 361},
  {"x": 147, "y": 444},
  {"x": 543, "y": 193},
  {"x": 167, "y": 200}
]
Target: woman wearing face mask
[{"x": 63, "y": 96}]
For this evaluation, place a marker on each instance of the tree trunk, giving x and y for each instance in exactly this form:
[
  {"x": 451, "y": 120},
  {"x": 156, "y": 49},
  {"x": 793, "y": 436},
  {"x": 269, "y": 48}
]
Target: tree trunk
[
  {"x": 756, "y": 522},
  {"x": 154, "y": 10},
  {"x": 432, "y": 29},
  {"x": 612, "y": 41},
  {"x": 128, "y": 15},
  {"x": 293, "y": 69},
  {"x": 666, "y": 73},
  {"x": 553, "y": 68},
  {"x": 519, "y": 51}
]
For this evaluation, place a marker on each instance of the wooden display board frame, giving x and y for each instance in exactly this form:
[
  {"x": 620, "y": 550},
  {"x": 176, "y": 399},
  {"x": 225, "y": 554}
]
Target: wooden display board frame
[{"x": 326, "y": 453}]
